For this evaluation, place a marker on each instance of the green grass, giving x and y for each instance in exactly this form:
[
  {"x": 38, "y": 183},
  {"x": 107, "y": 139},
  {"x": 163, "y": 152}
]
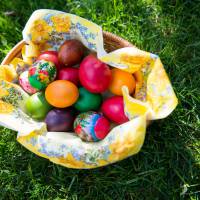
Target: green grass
[{"x": 168, "y": 166}]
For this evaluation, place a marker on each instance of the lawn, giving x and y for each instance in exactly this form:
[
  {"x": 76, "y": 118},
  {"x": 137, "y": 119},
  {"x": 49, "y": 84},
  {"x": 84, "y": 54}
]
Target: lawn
[{"x": 168, "y": 166}]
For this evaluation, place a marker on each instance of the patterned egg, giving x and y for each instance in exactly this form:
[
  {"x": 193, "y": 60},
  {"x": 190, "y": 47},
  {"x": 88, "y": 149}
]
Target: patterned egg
[
  {"x": 41, "y": 74},
  {"x": 91, "y": 126},
  {"x": 24, "y": 83}
]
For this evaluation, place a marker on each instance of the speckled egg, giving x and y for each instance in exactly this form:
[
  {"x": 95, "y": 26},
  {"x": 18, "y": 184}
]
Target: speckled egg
[
  {"x": 24, "y": 83},
  {"x": 91, "y": 126},
  {"x": 41, "y": 74}
]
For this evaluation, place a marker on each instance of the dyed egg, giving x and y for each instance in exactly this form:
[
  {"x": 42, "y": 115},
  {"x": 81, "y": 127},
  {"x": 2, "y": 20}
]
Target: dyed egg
[
  {"x": 71, "y": 52},
  {"x": 61, "y": 93},
  {"x": 37, "y": 106},
  {"x": 41, "y": 74},
  {"x": 50, "y": 56},
  {"x": 91, "y": 126},
  {"x": 121, "y": 78},
  {"x": 60, "y": 120},
  {"x": 113, "y": 109},
  {"x": 24, "y": 83},
  {"x": 94, "y": 75},
  {"x": 87, "y": 100},
  {"x": 69, "y": 74}
]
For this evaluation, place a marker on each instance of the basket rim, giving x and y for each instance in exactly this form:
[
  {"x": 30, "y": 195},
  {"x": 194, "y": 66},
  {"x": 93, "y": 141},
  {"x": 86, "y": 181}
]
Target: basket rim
[{"x": 106, "y": 35}]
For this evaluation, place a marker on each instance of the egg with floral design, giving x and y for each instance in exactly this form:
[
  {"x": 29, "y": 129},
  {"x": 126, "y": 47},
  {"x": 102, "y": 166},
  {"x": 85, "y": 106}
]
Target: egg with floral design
[
  {"x": 91, "y": 126},
  {"x": 24, "y": 83},
  {"x": 41, "y": 74}
]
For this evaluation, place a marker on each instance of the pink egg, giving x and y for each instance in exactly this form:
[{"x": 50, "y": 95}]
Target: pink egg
[
  {"x": 113, "y": 109},
  {"x": 24, "y": 83},
  {"x": 94, "y": 75}
]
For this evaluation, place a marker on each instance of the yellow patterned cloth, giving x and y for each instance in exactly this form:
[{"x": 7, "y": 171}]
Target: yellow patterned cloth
[{"x": 154, "y": 96}]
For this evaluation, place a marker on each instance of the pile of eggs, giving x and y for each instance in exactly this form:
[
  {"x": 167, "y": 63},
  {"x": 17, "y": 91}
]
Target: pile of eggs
[{"x": 67, "y": 90}]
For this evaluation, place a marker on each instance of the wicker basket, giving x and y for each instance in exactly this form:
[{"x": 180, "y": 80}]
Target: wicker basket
[{"x": 111, "y": 43}]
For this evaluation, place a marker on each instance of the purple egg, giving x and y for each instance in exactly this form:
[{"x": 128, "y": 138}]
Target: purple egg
[{"x": 60, "y": 120}]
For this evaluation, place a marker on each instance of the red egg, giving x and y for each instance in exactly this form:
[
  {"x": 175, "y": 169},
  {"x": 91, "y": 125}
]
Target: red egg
[
  {"x": 102, "y": 128},
  {"x": 113, "y": 109},
  {"x": 69, "y": 74},
  {"x": 50, "y": 56},
  {"x": 94, "y": 75}
]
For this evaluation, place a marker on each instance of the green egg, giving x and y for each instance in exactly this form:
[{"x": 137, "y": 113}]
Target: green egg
[
  {"x": 88, "y": 101},
  {"x": 37, "y": 106}
]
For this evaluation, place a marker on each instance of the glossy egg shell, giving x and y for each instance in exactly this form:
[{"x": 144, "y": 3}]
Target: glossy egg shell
[
  {"x": 37, "y": 107},
  {"x": 113, "y": 109},
  {"x": 24, "y": 83},
  {"x": 91, "y": 126},
  {"x": 60, "y": 120},
  {"x": 50, "y": 56},
  {"x": 94, "y": 75},
  {"x": 41, "y": 74},
  {"x": 61, "y": 93},
  {"x": 121, "y": 78},
  {"x": 71, "y": 52},
  {"x": 69, "y": 74},
  {"x": 88, "y": 101}
]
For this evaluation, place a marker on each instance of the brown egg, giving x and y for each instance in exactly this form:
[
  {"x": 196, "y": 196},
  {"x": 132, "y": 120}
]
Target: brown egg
[{"x": 71, "y": 52}]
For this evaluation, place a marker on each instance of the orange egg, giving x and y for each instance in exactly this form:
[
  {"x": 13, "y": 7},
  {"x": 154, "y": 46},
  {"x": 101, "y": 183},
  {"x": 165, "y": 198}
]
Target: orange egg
[
  {"x": 119, "y": 79},
  {"x": 61, "y": 93}
]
